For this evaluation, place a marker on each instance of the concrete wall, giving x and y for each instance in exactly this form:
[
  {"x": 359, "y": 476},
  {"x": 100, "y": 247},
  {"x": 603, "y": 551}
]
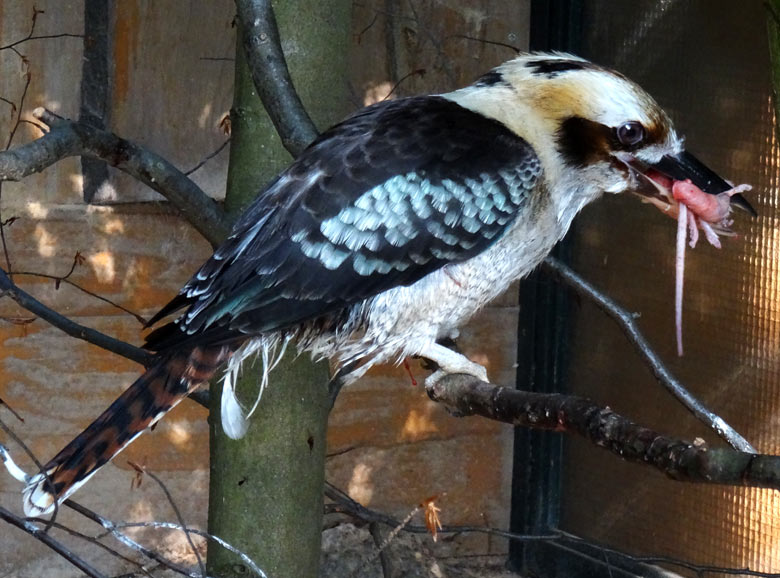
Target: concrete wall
[{"x": 171, "y": 82}]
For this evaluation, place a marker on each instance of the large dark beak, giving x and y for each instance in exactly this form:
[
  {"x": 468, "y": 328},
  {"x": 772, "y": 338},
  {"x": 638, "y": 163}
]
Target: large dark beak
[{"x": 686, "y": 166}]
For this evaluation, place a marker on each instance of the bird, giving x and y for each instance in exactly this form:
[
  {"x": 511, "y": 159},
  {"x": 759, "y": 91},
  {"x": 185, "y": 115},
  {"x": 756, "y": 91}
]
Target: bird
[{"x": 389, "y": 232}]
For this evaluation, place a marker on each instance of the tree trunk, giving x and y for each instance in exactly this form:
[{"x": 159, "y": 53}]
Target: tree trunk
[
  {"x": 266, "y": 489},
  {"x": 773, "y": 29}
]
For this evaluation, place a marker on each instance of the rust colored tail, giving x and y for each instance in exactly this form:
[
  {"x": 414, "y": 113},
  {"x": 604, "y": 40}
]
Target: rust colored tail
[{"x": 151, "y": 396}]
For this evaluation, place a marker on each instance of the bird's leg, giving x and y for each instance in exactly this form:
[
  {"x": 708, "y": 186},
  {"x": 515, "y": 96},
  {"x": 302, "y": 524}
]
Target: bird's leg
[{"x": 450, "y": 361}]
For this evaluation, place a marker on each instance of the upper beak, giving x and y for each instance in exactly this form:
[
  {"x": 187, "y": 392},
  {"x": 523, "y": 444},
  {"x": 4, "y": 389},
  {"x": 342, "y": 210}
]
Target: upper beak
[{"x": 684, "y": 166}]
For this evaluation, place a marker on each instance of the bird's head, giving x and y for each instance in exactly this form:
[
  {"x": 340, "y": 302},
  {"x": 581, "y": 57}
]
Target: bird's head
[{"x": 593, "y": 129}]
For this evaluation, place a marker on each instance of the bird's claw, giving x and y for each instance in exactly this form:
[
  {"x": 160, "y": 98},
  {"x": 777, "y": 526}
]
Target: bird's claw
[{"x": 474, "y": 369}]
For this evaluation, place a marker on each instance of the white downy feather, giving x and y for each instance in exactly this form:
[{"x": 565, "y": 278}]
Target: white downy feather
[{"x": 235, "y": 419}]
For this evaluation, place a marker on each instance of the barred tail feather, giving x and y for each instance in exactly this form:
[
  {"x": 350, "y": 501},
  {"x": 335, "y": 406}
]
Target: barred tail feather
[{"x": 148, "y": 399}]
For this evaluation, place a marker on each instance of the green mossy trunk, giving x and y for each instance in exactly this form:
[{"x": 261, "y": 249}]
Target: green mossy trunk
[
  {"x": 773, "y": 28},
  {"x": 266, "y": 490}
]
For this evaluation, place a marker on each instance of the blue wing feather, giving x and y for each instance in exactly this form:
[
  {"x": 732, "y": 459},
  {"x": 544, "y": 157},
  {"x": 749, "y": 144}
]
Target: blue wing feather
[{"x": 388, "y": 196}]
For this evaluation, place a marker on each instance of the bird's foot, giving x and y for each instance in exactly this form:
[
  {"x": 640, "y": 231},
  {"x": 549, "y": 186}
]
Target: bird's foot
[
  {"x": 478, "y": 371},
  {"x": 450, "y": 362}
]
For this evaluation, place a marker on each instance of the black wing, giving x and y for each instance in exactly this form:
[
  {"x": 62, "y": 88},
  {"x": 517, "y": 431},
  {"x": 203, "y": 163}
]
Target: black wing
[{"x": 391, "y": 194}]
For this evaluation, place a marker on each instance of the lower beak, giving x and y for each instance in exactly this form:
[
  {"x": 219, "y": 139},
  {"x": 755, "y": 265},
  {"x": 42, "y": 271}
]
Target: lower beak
[{"x": 684, "y": 166}]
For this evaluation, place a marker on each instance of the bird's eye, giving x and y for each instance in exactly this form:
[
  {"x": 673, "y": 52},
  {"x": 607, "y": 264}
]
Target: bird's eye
[{"x": 630, "y": 133}]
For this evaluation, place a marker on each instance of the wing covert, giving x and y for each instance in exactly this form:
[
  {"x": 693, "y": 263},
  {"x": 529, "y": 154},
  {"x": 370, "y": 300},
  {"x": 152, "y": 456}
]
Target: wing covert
[{"x": 391, "y": 194}]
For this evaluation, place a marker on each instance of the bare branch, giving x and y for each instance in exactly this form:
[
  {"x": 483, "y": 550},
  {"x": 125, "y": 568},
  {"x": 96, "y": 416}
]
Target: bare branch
[
  {"x": 58, "y": 279},
  {"x": 343, "y": 504},
  {"x": 168, "y": 526},
  {"x": 72, "y": 328},
  {"x": 16, "y": 43},
  {"x": 98, "y": 544},
  {"x": 27, "y": 81},
  {"x": 179, "y": 517},
  {"x": 207, "y": 158},
  {"x": 11, "y": 410},
  {"x": 271, "y": 76},
  {"x": 627, "y": 322},
  {"x": 43, "y": 537},
  {"x": 515, "y": 49},
  {"x": 678, "y": 459},
  {"x": 384, "y": 558},
  {"x": 31, "y": 33},
  {"x": 201, "y": 397},
  {"x": 700, "y": 570},
  {"x": 112, "y": 529},
  {"x": 3, "y": 224},
  {"x": 68, "y": 138}
]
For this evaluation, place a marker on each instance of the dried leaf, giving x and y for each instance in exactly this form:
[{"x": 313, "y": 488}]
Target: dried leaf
[
  {"x": 432, "y": 521},
  {"x": 139, "y": 475},
  {"x": 225, "y": 125}
]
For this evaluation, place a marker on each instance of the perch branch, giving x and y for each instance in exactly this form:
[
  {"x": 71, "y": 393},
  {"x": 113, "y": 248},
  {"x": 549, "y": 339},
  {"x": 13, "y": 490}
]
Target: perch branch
[
  {"x": 627, "y": 323},
  {"x": 271, "y": 76},
  {"x": 69, "y": 138},
  {"x": 678, "y": 459}
]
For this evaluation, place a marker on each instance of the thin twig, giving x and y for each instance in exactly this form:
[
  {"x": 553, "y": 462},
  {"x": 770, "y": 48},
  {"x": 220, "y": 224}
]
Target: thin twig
[
  {"x": 113, "y": 529},
  {"x": 699, "y": 569},
  {"x": 30, "y": 34},
  {"x": 70, "y": 327},
  {"x": 342, "y": 503},
  {"x": 207, "y": 158},
  {"x": 384, "y": 558},
  {"x": 3, "y": 225},
  {"x": 96, "y": 542},
  {"x": 12, "y": 410},
  {"x": 16, "y": 43},
  {"x": 419, "y": 72},
  {"x": 498, "y": 43},
  {"x": 29, "y": 453},
  {"x": 627, "y": 323},
  {"x": 84, "y": 290},
  {"x": 176, "y": 511},
  {"x": 43, "y": 537},
  {"x": 27, "y": 80},
  {"x": 169, "y": 526}
]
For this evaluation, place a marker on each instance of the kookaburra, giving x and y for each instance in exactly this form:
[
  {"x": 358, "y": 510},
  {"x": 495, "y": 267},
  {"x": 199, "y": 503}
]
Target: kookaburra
[{"x": 391, "y": 230}]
